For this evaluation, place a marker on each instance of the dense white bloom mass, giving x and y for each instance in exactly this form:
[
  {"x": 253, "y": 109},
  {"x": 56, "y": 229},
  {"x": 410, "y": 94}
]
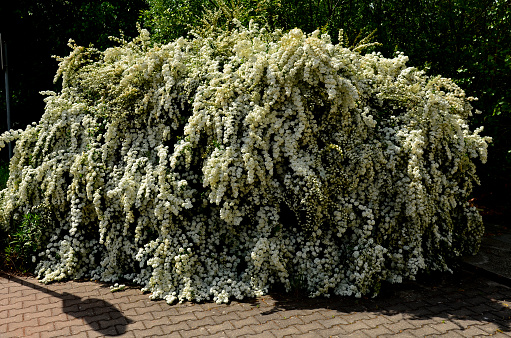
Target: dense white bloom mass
[{"x": 219, "y": 166}]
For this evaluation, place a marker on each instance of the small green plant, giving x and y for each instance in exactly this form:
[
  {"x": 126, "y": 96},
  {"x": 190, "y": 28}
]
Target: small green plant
[{"x": 23, "y": 243}]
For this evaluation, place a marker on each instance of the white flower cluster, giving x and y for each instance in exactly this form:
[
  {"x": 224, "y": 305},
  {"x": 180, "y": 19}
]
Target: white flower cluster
[
  {"x": 117, "y": 287},
  {"x": 9, "y": 136},
  {"x": 219, "y": 166}
]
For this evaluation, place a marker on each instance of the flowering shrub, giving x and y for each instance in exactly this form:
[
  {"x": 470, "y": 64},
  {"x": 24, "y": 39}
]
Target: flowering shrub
[{"x": 219, "y": 166}]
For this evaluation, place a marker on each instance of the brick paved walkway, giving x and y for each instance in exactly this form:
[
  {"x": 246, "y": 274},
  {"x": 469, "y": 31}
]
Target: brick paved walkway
[{"x": 461, "y": 306}]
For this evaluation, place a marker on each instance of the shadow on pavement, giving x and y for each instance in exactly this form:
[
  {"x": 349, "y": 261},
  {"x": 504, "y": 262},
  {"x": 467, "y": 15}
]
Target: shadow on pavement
[
  {"x": 92, "y": 310},
  {"x": 461, "y": 298}
]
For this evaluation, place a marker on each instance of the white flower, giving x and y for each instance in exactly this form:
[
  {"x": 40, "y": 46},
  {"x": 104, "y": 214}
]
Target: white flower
[{"x": 215, "y": 167}]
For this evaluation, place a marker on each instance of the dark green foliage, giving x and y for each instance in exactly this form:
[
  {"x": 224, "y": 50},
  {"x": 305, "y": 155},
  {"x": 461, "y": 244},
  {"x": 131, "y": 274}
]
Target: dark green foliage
[
  {"x": 4, "y": 174},
  {"x": 170, "y": 19},
  {"x": 28, "y": 235},
  {"x": 37, "y": 29},
  {"x": 22, "y": 244}
]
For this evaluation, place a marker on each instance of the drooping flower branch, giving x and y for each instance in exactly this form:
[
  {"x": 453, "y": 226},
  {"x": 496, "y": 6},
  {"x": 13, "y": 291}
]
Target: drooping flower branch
[{"x": 219, "y": 166}]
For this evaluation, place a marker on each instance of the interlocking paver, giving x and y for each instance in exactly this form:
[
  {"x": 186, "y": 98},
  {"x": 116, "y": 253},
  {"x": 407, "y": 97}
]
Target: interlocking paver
[
  {"x": 424, "y": 331},
  {"x": 263, "y": 327},
  {"x": 404, "y": 334},
  {"x": 293, "y": 312},
  {"x": 377, "y": 331},
  {"x": 204, "y": 314},
  {"x": 445, "y": 326},
  {"x": 316, "y": 316},
  {"x": 288, "y": 331},
  {"x": 16, "y": 310},
  {"x": 28, "y": 299},
  {"x": 94, "y": 334},
  {"x": 76, "y": 329},
  {"x": 476, "y": 300},
  {"x": 356, "y": 326},
  {"x": 358, "y": 316},
  {"x": 422, "y": 321},
  {"x": 378, "y": 321},
  {"x": 356, "y": 334},
  {"x": 160, "y": 322},
  {"x": 266, "y": 334},
  {"x": 148, "y": 308},
  {"x": 399, "y": 326},
  {"x": 68, "y": 323},
  {"x": 473, "y": 332},
  {"x": 182, "y": 318},
  {"x": 268, "y": 317},
  {"x": 64, "y": 332},
  {"x": 289, "y": 321},
  {"x": 89, "y": 309},
  {"x": 110, "y": 331},
  {"x": 249, "y": 312},
  {"x": 316, "y": 335},
  {"x": 336, "y": 320},
  {"x": 15, "y": 333},
  {"x": 448, "y": 334},
  {"x": 153, "y": 331},
  {"x": 221, "y": 334},
  {"x": 50, "y": 304},
  {"x": 482, "y": 308},
  {"x": 39, "y": 328},
  {"x": 134, "y": 305},
  {"x": 490, "y": 328},
  {"x": 137, "y": 325},
  {"x": 97, "y": 318},
  {"x": 14, "y": 296},
  {"x": 213, "y": 329},
  {"x": 197, "y": 332},
  {"x": 267, "y": 300},
  {"x": 244, "y": 322},
  {"x": 231, "y": 308},
  {"x": 219, "y": 319},
  {"x": 128, "y": 334},
  {"x": 185, "y": 308},
  {"x": 242, "y": 332},
  {"x": 33, "y": 315},
  {"x": 113, "y": 322},
  {"x": 462, "y": 313},
  {"x": 502, "y": 334},
  {"x": 15, "y": 319},
  {"x": 145, "y": 317},
  {"x": 312, "y": 326},
  {"x": 208, "y": 321}
]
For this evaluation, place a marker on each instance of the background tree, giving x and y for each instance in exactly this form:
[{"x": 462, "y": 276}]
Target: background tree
[{"x": 36, "y": 29}]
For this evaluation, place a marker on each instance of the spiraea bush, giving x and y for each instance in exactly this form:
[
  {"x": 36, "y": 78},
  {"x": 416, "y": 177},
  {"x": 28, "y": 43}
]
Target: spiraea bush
[{"x": 220, "y": 166}]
